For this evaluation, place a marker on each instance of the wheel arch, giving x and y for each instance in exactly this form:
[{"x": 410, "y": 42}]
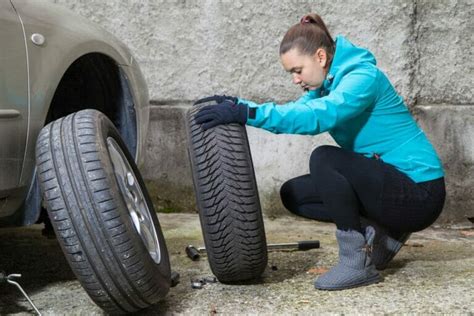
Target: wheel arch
[{"x": 96, "y": 81}]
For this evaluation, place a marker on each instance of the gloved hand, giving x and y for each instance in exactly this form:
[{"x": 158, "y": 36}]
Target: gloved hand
[
  {"x": 217, "y": 98},
  {"x": 222, "y": 113}
]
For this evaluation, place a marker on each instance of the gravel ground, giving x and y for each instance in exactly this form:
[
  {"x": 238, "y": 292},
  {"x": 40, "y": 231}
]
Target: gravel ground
[{"x": 433, "y": 274}]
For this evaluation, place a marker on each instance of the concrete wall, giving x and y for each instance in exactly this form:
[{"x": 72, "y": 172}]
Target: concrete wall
[
  {"x": 443, "y": 90},
  {"x": 188, "y": 49}
]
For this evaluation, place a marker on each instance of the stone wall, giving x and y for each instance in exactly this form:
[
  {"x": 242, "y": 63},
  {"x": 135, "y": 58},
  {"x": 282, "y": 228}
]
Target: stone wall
[{"x": 188, "y": 49}]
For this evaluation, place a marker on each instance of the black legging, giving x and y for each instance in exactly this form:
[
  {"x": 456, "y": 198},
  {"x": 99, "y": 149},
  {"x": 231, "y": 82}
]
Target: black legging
[{"x": 343, "y": 185}]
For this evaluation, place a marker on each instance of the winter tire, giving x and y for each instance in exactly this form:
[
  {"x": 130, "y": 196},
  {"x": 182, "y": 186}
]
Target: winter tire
[
  {"x": 227, "y": 200},
  {"x": 101, "y": 212}
]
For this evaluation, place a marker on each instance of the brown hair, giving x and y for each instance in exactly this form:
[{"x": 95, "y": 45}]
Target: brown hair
[{"x": 308, "y": 35}]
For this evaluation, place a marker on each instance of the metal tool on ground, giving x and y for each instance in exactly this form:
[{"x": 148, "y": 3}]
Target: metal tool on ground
[
  {"x": 194, "y": 253},
  {"x": 174, "y": 278},
  {"x": 198, "y": 283},
  {"x": 9, "y": 279}
]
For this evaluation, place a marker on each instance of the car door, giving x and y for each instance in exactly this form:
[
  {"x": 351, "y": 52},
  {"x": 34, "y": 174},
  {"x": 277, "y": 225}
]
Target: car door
[{"x": 14, "y": 103}]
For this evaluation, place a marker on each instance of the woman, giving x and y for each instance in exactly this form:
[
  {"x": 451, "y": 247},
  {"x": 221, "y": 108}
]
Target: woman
[{"x": 385, "y": 172}]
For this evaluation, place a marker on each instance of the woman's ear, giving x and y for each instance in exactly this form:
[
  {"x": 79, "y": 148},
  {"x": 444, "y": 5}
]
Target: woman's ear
[{"x": 321, "y": 57}]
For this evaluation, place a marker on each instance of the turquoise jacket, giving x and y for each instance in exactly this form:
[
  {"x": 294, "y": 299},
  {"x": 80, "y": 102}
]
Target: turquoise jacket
[{"x": 361, "y": 110}]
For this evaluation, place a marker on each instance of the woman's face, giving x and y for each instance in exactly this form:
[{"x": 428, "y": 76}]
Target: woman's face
[{"x": 308, "y": 71}]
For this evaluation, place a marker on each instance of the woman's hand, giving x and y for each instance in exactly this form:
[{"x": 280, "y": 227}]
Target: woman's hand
[{"x": 224, "y": 112}]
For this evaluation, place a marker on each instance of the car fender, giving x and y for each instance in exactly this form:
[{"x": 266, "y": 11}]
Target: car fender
[{"x": 67, "y": 37}]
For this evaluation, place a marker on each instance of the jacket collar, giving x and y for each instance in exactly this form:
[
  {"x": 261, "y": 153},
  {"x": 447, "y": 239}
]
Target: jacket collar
[{"x": 346, "y": 57}]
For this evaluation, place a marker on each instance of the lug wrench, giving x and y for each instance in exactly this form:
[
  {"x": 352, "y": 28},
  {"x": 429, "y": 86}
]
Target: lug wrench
[
  {"x": 8, "y": 278},
  {"x": 195, "y": 252}
]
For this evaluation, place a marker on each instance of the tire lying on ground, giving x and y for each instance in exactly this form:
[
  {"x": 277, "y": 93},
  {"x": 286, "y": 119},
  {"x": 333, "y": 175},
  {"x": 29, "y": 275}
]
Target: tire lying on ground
[
  {"x": 101, "y": 212},
  {"x": 227, "y": 200}
]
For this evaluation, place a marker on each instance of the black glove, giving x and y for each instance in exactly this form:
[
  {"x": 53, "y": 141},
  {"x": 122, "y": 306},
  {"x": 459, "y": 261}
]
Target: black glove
[
  {"x": 222, "y": 113},
  {"x": 217, "y": 99}
]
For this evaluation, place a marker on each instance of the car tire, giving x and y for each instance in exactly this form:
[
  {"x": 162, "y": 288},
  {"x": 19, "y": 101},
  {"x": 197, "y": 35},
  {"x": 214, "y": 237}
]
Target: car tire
[
  {"x": 101, "y": 213},
  {"x": 227, "y": 200}
]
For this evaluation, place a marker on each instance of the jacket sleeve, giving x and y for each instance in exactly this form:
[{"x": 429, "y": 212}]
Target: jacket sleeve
[
  {"x": 355, "y": 92},
  {"x": 304, "y": 98}
]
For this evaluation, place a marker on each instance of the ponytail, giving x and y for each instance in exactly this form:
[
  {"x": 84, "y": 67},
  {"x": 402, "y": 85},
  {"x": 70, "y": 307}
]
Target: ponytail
[{"x": 308, "y": 35}]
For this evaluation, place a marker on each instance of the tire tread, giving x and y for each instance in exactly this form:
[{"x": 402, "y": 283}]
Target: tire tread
[{"x": 227, "y": 199}]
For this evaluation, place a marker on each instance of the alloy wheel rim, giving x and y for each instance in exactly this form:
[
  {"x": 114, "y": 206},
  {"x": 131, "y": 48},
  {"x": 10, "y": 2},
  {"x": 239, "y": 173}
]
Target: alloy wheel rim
[{"x": 134, "y": 200}]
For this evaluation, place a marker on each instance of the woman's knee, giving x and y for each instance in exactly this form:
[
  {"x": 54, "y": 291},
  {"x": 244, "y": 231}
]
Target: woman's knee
[{"x": 287, "y": 195}]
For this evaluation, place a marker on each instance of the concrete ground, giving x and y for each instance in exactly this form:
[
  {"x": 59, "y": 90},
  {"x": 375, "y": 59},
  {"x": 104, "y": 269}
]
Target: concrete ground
[{"x": 433, "y": 274}]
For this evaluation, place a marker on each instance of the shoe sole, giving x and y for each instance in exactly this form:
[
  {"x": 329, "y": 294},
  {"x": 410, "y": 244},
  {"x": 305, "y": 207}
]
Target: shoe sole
[{"x": 372, "y": 280}]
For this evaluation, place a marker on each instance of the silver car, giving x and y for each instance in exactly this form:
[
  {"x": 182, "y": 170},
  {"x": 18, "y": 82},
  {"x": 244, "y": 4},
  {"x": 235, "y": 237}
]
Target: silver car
[{"x": 67, "y": 78}]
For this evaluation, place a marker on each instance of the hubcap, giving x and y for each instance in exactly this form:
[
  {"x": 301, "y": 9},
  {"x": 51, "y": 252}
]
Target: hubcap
[{"x": 134, "y": 200}]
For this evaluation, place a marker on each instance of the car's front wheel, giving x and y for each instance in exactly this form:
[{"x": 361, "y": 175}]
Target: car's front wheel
[{"x": 101, "y": 212}]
